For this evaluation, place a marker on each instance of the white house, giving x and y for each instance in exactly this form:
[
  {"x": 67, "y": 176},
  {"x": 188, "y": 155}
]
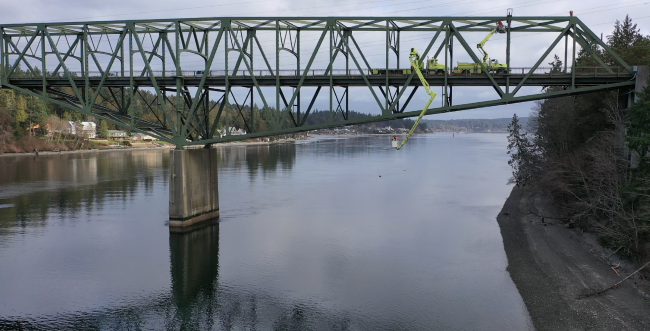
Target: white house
[{"x": 88, "y": 129}]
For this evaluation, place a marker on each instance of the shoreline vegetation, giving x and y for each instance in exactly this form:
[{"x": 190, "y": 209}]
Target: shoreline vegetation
[
  {"x": 576, "y": 226},
  {"x": 70, "y": 143}
]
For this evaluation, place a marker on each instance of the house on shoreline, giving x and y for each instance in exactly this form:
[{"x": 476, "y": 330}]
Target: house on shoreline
[{"x": 87, "y": 129}]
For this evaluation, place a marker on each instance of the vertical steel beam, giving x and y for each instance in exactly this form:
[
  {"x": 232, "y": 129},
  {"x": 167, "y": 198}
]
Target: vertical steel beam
[
  {"x": 3, "y": 54},
  {"x": 447, "y": 68},
  {"x": 508, "y": 54},
  {"x": 132, "y": 31},
  {"x": 330, "y": 29},
  {"x": 252, "y": 48},
  {"x": 298, "y": 73},
  {"x": 226, "y": 98},
  {"x": 43, "y": 65},
  {"x": 162, "y": 56},
  {"x": 277, "y": 74},
  {"x": 122, "y": 69},
  {"x": 566, "y": 51},
  {"x": 386, "y": 110},
  {"x": 573, "y": 59},
  {"x": 84, "y": 66},
  {"x": 178, "y": 135}
]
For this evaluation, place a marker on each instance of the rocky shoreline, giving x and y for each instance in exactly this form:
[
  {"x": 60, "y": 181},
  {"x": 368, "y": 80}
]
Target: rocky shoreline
[{"x": 554, "y": 266}]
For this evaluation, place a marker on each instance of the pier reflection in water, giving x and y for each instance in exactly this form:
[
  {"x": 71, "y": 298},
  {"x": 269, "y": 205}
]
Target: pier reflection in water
[
  {"x": 195, "y": 275},
  {"x": 310, "y": 238}
]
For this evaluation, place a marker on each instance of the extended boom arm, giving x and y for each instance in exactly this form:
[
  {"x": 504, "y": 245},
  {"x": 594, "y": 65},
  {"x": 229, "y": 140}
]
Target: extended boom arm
[
  {"x": 499, "y": 29},
  {"x": 414, "y": 57}
]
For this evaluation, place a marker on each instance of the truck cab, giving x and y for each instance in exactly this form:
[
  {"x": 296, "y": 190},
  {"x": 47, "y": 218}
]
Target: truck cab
[
  {"x": 433, "y": 67},
  {"x": 499, "y": 68}
]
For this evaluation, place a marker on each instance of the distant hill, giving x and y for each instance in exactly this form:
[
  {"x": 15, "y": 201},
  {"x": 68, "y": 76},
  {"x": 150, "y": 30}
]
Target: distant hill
[
  {"x": 473, "y": 124},
  {"x": 465, "y": 125}
]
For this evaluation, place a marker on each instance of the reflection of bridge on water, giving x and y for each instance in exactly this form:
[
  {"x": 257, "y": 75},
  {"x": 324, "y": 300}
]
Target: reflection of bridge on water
[{"x": 197, "y": 300}]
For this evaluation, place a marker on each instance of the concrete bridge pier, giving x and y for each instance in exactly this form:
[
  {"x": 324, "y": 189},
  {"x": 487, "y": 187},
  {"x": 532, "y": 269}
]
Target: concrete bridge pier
[{"x": 193, "y": 187}]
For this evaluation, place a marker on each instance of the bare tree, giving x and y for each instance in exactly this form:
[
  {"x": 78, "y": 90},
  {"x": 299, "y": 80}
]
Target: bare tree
[{"x": 595, "y": 181}]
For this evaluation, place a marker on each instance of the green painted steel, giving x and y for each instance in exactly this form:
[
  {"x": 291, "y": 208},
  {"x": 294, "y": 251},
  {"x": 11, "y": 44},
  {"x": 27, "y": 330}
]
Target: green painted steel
[{"x": 73, "y": 64}]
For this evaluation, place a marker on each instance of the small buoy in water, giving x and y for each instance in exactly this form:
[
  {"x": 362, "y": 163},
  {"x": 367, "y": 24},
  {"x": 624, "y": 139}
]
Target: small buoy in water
[{"x": 379, "y": 175}]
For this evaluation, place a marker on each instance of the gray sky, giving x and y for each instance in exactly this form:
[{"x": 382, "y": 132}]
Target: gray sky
[{"x": 599, "y": 15}]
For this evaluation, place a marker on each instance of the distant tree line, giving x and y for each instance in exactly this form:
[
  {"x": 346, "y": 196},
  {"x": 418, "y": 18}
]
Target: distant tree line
[
  {"x": 592, "y": 152},
  {"x": 472, "y": 125}
]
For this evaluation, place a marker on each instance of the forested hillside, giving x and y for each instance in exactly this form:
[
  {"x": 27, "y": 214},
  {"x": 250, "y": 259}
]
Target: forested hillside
[
  {"x": 25, "y": 120},
  {"x": 591, "y": 152}
]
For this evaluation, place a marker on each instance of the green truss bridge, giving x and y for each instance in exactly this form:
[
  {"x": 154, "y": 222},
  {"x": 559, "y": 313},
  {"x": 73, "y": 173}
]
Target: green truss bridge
[
  {"x": 286, "y": 65},
  {"x": 282, "y": 68}
]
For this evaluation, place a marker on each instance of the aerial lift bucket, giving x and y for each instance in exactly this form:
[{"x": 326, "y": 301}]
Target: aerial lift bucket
[{"x": 501, "y": 28}]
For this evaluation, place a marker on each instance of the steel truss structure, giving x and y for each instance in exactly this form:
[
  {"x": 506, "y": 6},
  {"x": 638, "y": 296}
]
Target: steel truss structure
[{"x": 76, "y": 64}]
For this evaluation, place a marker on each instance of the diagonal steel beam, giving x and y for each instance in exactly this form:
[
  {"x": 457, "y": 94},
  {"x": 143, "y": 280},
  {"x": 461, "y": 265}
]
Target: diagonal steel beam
[
  {"x": 120, "y": 44},
  {"x": 424, "y": 55},
  {"x": 22, "y": 54},
  {"x": 304, "y": 74},
  {"x": 65, "y": 68},
  {"x": 363, "y": 74},
  {"x": 603, "y": 45},
  {"x": 175, "y": 129},
  {"x": 199, "y": 89},
  {"x": 541, "y": 58},
  {"x": 471, "y": 53}
]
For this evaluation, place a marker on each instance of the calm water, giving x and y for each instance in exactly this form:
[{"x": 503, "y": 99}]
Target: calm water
[{"x": 329, "y": 234}]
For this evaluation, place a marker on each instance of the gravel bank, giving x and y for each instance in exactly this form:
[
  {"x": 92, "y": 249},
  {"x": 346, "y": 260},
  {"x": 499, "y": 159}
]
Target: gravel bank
[{"x": 552, "y": 266}]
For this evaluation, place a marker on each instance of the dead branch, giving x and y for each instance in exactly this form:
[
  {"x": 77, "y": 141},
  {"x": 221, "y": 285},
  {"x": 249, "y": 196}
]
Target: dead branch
[{"x": 615, "y": 285}]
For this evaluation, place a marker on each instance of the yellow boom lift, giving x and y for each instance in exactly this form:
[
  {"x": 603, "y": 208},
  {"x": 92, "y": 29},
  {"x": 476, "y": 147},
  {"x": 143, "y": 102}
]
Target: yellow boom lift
[
  {"x": 499, "y": 29},
  {"x": 417, "y": 65},
  {"x": 492, "y": 65}
]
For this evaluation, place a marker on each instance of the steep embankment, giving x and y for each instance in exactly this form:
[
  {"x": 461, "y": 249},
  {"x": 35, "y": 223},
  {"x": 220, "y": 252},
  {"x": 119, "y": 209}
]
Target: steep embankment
[{"x": 553, "y": 266}]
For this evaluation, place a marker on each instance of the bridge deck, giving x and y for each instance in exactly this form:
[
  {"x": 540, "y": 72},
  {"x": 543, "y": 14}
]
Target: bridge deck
[{"x": 319, "y": 78}]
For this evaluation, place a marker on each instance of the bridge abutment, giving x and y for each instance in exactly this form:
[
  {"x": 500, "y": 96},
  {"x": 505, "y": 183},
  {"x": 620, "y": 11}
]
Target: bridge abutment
[{"x": 193, "y": 187}]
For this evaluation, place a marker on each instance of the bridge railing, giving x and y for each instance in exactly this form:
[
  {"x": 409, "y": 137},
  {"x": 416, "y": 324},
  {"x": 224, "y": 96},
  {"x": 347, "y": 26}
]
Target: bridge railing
[{"x": 546, "y": 71}]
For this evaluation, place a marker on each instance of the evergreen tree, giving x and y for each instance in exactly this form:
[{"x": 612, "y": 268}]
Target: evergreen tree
[
  {"x": 556, "y": 64},
  {"x": 628, "y": 42},
  {"x": 103, "y": 129},
  {"x": 524, "y": 159},
  {"x": 625, "y": 35}
]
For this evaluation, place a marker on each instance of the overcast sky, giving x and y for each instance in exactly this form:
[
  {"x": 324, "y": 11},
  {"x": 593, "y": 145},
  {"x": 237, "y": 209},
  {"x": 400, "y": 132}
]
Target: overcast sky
[{"x": 599, "y": 15}]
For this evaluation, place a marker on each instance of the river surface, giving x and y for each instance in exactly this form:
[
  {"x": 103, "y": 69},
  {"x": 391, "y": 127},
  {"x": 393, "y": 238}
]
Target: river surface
[{"x": 327, "y": 234}]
